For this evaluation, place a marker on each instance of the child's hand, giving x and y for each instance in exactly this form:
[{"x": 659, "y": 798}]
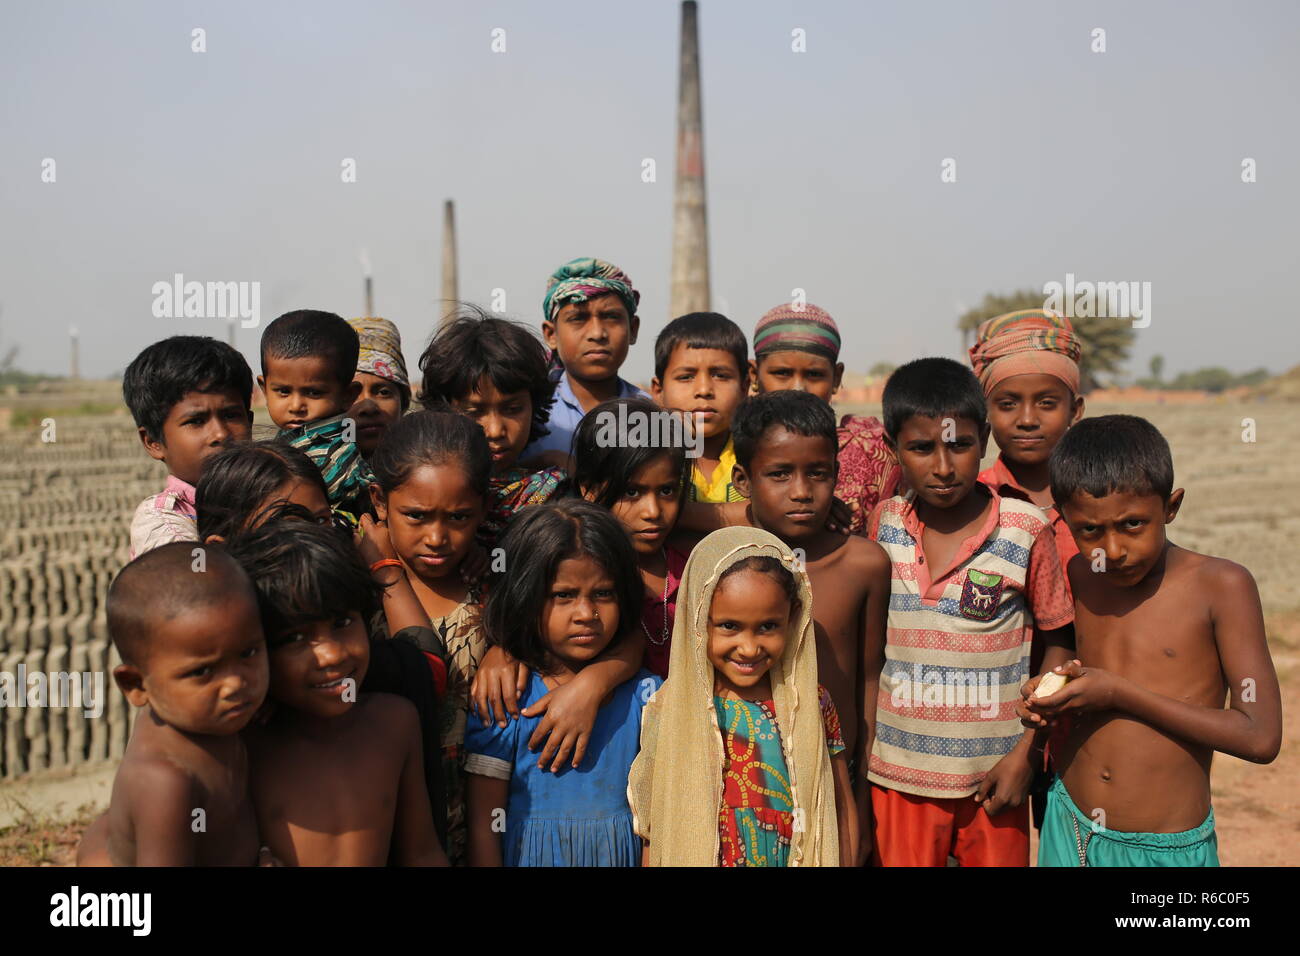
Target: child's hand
[
  {"x": 372, "y": 540},
  {"x": 497, "y": 687},
  {"x": 1027, "y": 717},
  {"x": 570, "y": 713},
  {"x": 1007, "y": 784},
  {"x": 1090, "y": 689},
  {"x": 474, "y": 565},
  {"x": 866, "y": 830},
  {"x": 840, "y": 518}
]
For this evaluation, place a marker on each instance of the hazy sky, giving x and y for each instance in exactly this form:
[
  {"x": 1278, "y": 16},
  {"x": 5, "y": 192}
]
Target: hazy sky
[{"x": 823, "y": 167}]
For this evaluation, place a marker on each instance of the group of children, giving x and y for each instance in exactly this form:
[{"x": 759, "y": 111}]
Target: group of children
[{"x": 487, "y": 633}]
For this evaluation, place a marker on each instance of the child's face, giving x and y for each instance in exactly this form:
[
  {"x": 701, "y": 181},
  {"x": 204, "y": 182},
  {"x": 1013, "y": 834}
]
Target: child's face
[
  {"x": 305, "y": 389},
  {"x": 1127, "y": 529},
  {"x": 317, "y": 667},
  {"x": 592, "y": 337},
  {"x": 801, "y": 371},
  {"x": 940, "y": 457},
  {"x": 378, "y": 407},
  {"x": 196, "y": 428},
  {"x": 748, "y": 623},
  {"x": 705, "y": 383},
  {"x": 206, "y": 669},
  {"x": 580, "y": 617},
  {"x": 652, "y": 499},
  {"x": 790, "y": 483},
  {"x": 506, "y": 420},
  {"x": 432, "y": 518},
  {"x": 1029, "y": 414}
]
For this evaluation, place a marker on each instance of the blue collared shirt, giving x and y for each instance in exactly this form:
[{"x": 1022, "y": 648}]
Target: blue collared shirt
[{"x": 566, "y": 413}]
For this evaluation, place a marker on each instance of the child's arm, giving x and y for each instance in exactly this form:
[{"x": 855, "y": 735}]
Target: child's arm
[
  {"x": 415, "y": 841},
  {"x": 1251, "y": 726},
  {"x": 875, "y": 619},
  {"x": 401, "y": 606},
  {"x": 569, "y": 711},
  {"x": 162, "y": 801},
  {"x": 845, "y": 812},
  {"x": 484, "y": 797},
  {"x": 1058, "y": 649},
  {"x": 498, "y": 684},
  {"x": 704, "y": 517}
]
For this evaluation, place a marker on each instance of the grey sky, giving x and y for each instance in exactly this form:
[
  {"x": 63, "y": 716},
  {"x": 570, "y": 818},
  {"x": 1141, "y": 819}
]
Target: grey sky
[{"x": 823, "y": 167}]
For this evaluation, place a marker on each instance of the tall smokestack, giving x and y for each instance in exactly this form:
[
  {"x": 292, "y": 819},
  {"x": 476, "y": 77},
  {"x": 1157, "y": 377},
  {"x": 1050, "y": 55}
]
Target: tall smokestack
[
  {"x": 369, "y": 285},
  {"x": 450, "y": 290},
  {"x": 74, "y": 370},
  {"x": 690, "y": 288}
]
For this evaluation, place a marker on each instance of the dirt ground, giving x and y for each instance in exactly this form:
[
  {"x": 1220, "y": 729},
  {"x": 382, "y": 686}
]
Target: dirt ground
[{"x": 1240, "y": 505}]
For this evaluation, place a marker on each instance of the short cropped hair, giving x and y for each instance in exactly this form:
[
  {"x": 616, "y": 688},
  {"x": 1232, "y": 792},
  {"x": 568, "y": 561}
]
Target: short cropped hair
[
  {"x": 796, "y": 411},
  {"x": 932, "y": 388},
  {"x": 237, "y": 480},
  {"x": 310, "y": 332},
  {"x": 303, "y": 571},
  {"x": 603, "y": 469},
  {"x": 475, "y": 345},
  {"x": 702, "y": 330},
  {"x": 432, "y": 438},
  {"x": 162, "y": 584},
  {"x": 1112, "y": 453},
  {"x": 160, "y": 376},
  {"x": 538, "y": 539}
]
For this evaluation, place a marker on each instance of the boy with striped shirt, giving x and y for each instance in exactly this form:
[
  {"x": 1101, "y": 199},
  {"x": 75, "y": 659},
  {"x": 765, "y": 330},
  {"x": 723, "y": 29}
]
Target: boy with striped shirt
[{"x": 972, "y": 574}]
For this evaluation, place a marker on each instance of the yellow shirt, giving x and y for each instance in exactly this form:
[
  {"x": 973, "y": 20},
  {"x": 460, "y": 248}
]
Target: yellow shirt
[{"x": 718, "y": 488}]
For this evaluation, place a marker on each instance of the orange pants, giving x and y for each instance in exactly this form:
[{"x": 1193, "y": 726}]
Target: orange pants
[{"x": 924, "y": 831}]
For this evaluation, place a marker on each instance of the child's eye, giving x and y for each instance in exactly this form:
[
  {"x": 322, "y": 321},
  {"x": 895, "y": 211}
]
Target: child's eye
[
  {"x": 605, "y": 594},
  {"x": 632, "y": 494},
  {"x": 200, "y": 672},
  {"x": 1134, "y": 523},
  {"x": 251, "y": 652},
  {"x": 562, "y": 595},
  {"x": 342, "y": 621}
]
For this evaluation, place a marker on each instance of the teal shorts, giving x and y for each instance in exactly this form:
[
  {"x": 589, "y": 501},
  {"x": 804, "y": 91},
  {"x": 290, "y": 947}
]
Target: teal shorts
[{"x": 1071, "y": 838}]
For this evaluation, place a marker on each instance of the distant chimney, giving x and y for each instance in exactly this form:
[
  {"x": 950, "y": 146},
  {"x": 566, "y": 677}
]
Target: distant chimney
[
  {"x": 74, "y": 370},
  {"x": 690, "y": 276},
  {"x": 450, "y": 284}
]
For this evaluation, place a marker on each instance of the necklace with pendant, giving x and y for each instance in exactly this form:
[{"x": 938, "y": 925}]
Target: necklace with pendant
[{"x": 664, "y": 634}]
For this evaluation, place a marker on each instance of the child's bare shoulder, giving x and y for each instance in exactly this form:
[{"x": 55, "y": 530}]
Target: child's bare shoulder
[
  {"x": 1217, "y": 578},
  {"x": 154, "y": 778},
  {"x": 388, "y": 711},
  {"x": 866, "y": 554}
]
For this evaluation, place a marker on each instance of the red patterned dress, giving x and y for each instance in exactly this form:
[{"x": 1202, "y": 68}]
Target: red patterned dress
[{"x": 756, "y": 820}]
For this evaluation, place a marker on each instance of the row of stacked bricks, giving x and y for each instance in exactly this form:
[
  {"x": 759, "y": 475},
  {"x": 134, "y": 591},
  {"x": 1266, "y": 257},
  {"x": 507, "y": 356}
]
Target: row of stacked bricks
[{"x": 65, "y": 511}]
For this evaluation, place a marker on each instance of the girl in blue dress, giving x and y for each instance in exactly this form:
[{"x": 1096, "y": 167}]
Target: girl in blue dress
[{"x": 569, "y": 590}]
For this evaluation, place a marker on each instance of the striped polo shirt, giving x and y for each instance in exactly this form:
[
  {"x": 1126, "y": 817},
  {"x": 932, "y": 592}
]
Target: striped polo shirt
[{"x": 957, "y": 646}]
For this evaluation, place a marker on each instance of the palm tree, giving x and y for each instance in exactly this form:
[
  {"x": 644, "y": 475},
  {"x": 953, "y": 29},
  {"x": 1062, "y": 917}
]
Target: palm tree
[{"x": 1106, "y": 342}]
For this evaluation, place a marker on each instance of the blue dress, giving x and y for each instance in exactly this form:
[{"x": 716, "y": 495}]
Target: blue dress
[{"x": 573, "y": 817}]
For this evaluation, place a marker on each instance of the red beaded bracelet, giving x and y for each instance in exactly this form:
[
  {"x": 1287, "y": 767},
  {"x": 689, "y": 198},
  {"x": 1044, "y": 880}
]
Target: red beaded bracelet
[{"x": 385, "y": 563}]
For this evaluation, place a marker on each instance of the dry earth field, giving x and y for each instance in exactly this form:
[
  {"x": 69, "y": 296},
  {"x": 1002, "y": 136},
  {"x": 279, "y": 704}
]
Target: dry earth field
[{"x": 1240, "y": 504}]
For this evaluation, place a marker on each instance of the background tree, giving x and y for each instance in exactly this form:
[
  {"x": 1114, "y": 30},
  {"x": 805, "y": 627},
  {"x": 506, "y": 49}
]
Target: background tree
[
  {"x": 1157, "y": 367},
  {"x": 1106, "y": 342},
  {"x": 881, "y": 370}
]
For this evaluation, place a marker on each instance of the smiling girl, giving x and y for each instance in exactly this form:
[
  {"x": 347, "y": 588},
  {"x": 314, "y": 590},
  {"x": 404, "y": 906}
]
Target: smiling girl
[{"x": 742, "y": 760}]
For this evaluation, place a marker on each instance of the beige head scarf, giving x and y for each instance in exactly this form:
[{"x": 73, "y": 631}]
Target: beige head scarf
[{"x": 675, "y": 787}]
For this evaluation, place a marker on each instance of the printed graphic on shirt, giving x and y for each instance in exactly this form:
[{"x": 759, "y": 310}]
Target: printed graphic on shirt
[{"x": 980, "y": 595}]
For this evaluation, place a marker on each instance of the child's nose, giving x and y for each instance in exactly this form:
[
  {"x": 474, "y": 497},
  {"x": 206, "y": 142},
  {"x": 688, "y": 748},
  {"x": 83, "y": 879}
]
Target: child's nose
[
  {"x": 330, "y": 653},
  {"x": 493, "y": 426},
  {"x": 800, "y": 488}
]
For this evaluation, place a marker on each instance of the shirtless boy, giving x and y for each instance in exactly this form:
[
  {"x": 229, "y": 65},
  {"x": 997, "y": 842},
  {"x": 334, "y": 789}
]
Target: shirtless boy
[
  {"x": 786, "y": 448},
  {"x": 1164, "y": 636},
  {"x": 194, "y": 659},
  {"x": 338, "y": 776}
]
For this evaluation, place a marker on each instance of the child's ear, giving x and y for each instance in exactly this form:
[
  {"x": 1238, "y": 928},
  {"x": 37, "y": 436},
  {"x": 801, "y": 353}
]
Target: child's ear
[
  {"x": 1173, "y": 504},
  {"x": 839, "y": 376},
  {"x": 353, "y": 392},
  {"x": 633, "y": 329},
  {"x": 740, "y": 479},
  {"x": 156, "y": 449},
  {"x": 131, "y": 682},
  {"x": 380, "y": 501},
  {"x": 548, "y": 335},
  {"x": 261, "y": 383},
  {"x": 1078, "y": 410},
  {"x": 985, "y": 430},
  {"x": 657, "y": 391},
  {"x": 753, "y": 374}
]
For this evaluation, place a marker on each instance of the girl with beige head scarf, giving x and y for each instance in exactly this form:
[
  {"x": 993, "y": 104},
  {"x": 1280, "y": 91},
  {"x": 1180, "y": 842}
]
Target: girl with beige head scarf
[{"x": 684, "y": 784}]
